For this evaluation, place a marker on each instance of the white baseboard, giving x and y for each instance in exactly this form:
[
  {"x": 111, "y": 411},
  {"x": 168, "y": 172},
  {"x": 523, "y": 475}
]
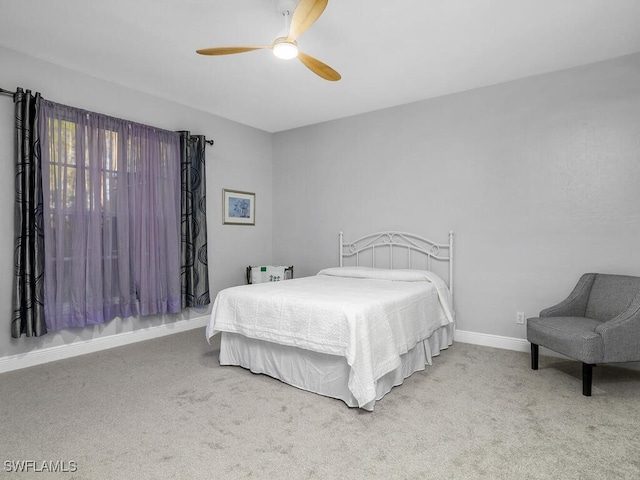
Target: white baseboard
[
  {"x": 496, "y": 341},
  {"x": 45, "y": 355},
  {"x": 519, "y": 345},
  {"x": 59, "y": 352}
]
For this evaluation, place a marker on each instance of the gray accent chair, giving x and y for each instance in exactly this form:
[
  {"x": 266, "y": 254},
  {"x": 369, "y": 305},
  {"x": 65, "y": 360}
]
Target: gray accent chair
[{"x": 599, "y": 322}]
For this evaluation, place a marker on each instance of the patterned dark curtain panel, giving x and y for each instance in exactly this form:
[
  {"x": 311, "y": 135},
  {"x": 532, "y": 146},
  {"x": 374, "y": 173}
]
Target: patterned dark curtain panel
[
  {"x": 28, "y": 297},
  {"x": 193, "y": 244}
]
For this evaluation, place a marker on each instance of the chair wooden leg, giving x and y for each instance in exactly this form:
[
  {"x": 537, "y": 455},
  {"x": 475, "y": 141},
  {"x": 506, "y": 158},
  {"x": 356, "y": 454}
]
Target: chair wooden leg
[
  {"x": 534, "y": 356},
  {"x": 587, "y": 376}
]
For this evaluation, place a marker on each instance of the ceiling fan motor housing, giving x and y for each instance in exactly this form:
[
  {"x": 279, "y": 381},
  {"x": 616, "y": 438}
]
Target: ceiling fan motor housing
[{"x": 285, "y": 49}]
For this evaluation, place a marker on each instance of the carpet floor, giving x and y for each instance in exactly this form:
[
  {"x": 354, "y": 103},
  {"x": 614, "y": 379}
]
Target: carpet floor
[{"x": 166, "y": 409}]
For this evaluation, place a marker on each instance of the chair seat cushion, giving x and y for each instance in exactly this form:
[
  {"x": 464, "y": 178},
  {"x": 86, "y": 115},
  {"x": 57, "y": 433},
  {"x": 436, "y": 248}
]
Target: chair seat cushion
[{"x": 574, "y": 337}]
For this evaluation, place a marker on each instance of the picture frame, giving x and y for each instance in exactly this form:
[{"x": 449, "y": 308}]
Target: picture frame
[{"x": 238, "y": 208}]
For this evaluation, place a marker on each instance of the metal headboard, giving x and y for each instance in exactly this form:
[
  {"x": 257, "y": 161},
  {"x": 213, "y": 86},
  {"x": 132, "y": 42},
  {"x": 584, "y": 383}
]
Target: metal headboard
[{"x": 398, "y": 241}]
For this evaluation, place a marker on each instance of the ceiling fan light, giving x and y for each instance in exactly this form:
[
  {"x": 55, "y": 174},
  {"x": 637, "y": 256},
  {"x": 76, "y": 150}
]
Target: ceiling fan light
[{"x": 285, "y": 50}]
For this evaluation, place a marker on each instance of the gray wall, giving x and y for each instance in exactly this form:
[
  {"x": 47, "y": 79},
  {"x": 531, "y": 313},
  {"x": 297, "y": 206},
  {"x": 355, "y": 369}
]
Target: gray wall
[
  {"x": 539, "y": 179},
  {"x": 240, "y": 159}
]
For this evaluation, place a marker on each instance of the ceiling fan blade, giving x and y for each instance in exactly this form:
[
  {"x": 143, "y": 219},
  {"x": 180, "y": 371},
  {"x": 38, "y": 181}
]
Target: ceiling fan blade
[
  {"x": 228, "y": 50},
  {"x": 321, "y": 69},
  {"x": 305, "y": 15}
]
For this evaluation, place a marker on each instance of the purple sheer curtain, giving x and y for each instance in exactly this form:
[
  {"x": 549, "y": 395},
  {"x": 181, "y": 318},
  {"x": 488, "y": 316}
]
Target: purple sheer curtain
[{"x": 111, "y": 193}]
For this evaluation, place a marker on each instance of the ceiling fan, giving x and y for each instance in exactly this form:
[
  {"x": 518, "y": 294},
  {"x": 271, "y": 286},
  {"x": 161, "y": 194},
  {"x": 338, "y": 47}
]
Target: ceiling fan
[{"x": 286, "y": 47}]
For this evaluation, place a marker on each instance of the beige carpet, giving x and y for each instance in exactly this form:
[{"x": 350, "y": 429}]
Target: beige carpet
[{"x": 166, "y": 409}]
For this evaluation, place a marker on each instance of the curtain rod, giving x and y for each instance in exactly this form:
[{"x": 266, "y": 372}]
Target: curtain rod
[
  {"x": 12, "y": 94},
  {"x": 194, "y": 139}
]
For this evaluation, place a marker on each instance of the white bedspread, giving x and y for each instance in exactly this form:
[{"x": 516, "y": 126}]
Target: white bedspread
[{"x": 341, "y": 311}]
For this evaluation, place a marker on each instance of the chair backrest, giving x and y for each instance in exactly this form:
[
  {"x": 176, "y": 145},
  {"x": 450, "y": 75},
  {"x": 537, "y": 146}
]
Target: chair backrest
[{"x": 611, "y": 295}]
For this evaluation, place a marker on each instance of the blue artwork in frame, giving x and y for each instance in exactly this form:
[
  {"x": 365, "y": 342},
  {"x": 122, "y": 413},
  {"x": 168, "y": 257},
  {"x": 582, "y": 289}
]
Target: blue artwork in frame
[{"x": 238, "y": 207}]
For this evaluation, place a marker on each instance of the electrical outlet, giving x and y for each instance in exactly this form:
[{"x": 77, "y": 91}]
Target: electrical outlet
[{"x": 520, "y": 318}]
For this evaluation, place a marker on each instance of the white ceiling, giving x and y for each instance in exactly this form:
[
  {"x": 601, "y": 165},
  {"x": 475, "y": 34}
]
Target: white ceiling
[{"x": 389, "y": 52}]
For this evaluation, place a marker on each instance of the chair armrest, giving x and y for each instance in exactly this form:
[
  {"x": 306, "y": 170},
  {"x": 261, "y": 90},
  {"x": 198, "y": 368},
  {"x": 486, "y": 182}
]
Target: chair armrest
[
  {"x": 620, "y": 334},
  {"x": 575, "y": 305}
]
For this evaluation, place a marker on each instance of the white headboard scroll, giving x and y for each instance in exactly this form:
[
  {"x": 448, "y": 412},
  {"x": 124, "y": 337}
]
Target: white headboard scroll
[{"x": 389, "y": 243}]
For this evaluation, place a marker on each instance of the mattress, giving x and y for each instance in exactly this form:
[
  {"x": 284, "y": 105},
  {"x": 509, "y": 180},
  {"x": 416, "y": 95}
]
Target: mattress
[{"x": 370, "y": 319}]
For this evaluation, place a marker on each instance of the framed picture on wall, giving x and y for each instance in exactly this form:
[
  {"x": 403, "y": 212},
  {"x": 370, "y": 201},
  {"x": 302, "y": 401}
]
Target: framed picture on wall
[{"x": 238, "y": 208}]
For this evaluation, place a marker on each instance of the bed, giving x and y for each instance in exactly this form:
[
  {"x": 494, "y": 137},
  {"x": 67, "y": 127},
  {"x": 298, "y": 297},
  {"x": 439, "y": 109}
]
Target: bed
[{"x": 351, "y": 332}]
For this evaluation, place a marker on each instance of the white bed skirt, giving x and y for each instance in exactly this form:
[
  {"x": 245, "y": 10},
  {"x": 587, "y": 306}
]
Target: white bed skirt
[{"x": 320, "y": 373}]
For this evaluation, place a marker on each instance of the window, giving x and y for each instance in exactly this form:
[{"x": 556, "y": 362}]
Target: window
[{"x": 111, "y": 217}]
